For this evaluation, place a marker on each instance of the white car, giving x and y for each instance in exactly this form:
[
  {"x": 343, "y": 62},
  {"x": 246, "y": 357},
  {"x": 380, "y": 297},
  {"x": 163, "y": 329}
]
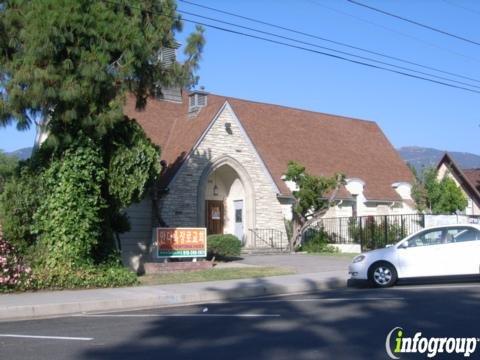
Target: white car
[{"x": 436, "y": 251}]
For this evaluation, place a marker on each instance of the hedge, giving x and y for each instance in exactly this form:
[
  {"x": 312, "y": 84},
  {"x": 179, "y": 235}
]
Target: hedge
[{"x": 223, "y": 246}]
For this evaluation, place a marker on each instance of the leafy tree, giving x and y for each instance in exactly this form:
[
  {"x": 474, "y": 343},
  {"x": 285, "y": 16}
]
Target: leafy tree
[
  {"x": 313, "y": 197},
  {"x": 67, "y": 66},
  {"x": 451, "y": 198},
  {"x": 438, "y": 196}
]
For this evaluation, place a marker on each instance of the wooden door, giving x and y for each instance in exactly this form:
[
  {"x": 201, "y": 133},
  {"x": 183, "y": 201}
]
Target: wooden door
[{"x": 215, "y": 213}]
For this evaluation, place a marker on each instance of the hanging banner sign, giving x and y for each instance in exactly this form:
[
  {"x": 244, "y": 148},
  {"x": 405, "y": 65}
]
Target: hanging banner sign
[
  {"x": 181, "y": 242},
  {"x": 215, "y": 213}
]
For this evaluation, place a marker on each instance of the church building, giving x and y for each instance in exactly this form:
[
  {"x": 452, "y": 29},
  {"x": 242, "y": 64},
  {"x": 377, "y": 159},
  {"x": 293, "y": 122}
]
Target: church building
[{"x": 224, "y": 161}]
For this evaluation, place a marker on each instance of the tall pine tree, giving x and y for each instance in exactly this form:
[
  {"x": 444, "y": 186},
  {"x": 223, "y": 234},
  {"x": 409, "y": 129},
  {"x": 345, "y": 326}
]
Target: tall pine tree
[
  {"x": 72, "y": 61},
  {"x": 67, "y": 65}
]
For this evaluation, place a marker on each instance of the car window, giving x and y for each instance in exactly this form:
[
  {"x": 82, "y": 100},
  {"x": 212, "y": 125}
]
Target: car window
[
  {"x": 462, "y": 234},
  {"x": 427, "y": 238}
]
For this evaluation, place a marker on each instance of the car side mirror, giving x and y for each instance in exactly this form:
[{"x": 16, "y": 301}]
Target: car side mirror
[{"x": 403, "y": 245}]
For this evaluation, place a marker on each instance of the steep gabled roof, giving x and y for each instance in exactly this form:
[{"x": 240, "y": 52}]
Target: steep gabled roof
[
  {"x": 168, "y": 125},
  {"x": 473, "y": 176},
  {"x": 324, "y": 143},
  {"x": 469, "y": 179}
]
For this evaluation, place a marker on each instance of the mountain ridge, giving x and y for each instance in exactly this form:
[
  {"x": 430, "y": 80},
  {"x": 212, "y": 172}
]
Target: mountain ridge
[
  {"x": 424, "y": 157},
  {"x": 21, "y": 154}
]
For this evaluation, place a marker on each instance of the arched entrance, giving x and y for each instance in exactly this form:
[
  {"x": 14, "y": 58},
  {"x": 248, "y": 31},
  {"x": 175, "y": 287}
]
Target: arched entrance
[{"x": 226, "y": 199}]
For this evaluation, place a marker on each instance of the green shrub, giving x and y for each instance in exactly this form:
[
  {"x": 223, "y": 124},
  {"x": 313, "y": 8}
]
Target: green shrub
[
  {"x": 223, "y": 246},
  {"x": 372, "y": 234},
  {"x": 87, "y": 276},
  {"x": 133, "y": 166},
  {"x": 8, "y": 165},
  {"x": 68, "y": 221},
  {"x": 18, "y": 203},
  {"x": 318, "y": 243}
]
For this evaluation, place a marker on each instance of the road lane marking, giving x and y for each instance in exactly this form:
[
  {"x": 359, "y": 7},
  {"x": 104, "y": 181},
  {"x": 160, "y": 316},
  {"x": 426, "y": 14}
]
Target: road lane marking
[
  {"x": 177, "y": 315},
  {"x": 46, "y": 337},
  {"x": 320, "y": 299}
]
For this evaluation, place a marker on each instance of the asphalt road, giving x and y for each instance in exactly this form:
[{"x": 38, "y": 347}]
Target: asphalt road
[{"x": 337, "y": 324}]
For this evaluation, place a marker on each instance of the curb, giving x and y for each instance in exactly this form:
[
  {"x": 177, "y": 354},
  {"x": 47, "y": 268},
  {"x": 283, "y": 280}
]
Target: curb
[{"x": 157, "y": 296}]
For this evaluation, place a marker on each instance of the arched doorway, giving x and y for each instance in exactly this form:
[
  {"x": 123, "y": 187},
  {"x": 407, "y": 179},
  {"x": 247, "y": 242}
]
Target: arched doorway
[{"x": 225, "y": 203}]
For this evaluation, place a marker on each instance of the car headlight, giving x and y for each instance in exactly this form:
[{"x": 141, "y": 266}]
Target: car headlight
[{"x": 358, "y": 258}]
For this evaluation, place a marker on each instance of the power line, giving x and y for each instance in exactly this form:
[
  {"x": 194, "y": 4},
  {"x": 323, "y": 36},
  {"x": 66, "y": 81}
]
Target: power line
[
  {"x": 327, "y": 48},
  {"x": 320, "y": 38},
  {"x": 414, "y": 22},
  {"x": 338, "y": 57},
  {"x": 373, "y": 23},
  {"x": 333, "y": 56},
  {"x": 451, "y": 3}
]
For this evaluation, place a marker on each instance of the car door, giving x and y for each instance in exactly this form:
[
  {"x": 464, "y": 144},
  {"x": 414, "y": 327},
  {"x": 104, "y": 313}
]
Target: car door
[
  {"x": 422, "y": 255},
  {"x": 462, "y": 251}
]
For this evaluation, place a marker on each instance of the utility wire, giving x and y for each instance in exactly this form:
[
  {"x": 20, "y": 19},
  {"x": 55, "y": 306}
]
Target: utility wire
[
  {"x": 331, "y": 55},
  {"x": 326, "y": 48},
  {"x": 411, "y": 37},
  {"x": 338, "y": 57},
  {"x": 414, "y": 22},
  {"x": 451, "y": 3},
  {"x": 323, "y": 39}
]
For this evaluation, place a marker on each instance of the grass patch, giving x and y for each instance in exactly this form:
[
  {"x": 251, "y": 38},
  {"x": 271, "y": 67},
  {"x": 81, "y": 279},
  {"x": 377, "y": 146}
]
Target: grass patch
[{"x": 213, "y": 275}]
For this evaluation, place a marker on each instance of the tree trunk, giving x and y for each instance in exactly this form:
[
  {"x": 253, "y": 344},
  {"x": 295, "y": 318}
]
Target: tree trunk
[
  {"x": 294, "y": 240},
  {"x": 301, "y": 226},
  {"x": 301, "y": 223}
]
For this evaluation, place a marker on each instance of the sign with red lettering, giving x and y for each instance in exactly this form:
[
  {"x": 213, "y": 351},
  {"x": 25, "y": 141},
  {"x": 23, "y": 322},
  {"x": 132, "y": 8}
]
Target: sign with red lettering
[{"x": 181, "y": 242}]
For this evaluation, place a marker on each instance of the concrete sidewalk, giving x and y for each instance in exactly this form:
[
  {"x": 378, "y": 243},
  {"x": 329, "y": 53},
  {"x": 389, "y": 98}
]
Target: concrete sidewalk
[{"x": 57, "y": 303}]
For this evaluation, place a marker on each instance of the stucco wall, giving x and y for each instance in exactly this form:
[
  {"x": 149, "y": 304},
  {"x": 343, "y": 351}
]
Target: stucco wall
[
  {"x": 179, "y": 206},
  {"x": 355, "y": 187},
  {"x": 365, "y": 208}
]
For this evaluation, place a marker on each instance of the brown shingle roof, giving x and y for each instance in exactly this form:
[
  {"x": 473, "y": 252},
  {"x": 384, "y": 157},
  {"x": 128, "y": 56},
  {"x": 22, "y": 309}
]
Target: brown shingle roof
[
  {"x": 325, "y": 144},
  {"x": 473, "y": 175},
  {"x": 167, "y": 124}
]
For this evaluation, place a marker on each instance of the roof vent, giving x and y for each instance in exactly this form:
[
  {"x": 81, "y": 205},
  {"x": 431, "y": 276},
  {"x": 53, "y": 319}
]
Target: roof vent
[
  {"x": 197, "y": 100},
  {"x": 167, "y": 55},
  {"x": 169, "y": 92}
]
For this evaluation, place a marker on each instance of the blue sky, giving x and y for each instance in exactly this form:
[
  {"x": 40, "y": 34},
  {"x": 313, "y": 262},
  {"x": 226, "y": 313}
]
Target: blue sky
[{"x": 410, "y": 112}]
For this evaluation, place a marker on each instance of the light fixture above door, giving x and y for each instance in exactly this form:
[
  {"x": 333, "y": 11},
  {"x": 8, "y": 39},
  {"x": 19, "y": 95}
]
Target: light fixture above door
[{"x": 215, "y": 187}]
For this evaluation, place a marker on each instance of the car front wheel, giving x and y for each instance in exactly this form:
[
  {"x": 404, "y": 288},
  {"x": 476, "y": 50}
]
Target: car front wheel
[{"x": 382, "y": 275}]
